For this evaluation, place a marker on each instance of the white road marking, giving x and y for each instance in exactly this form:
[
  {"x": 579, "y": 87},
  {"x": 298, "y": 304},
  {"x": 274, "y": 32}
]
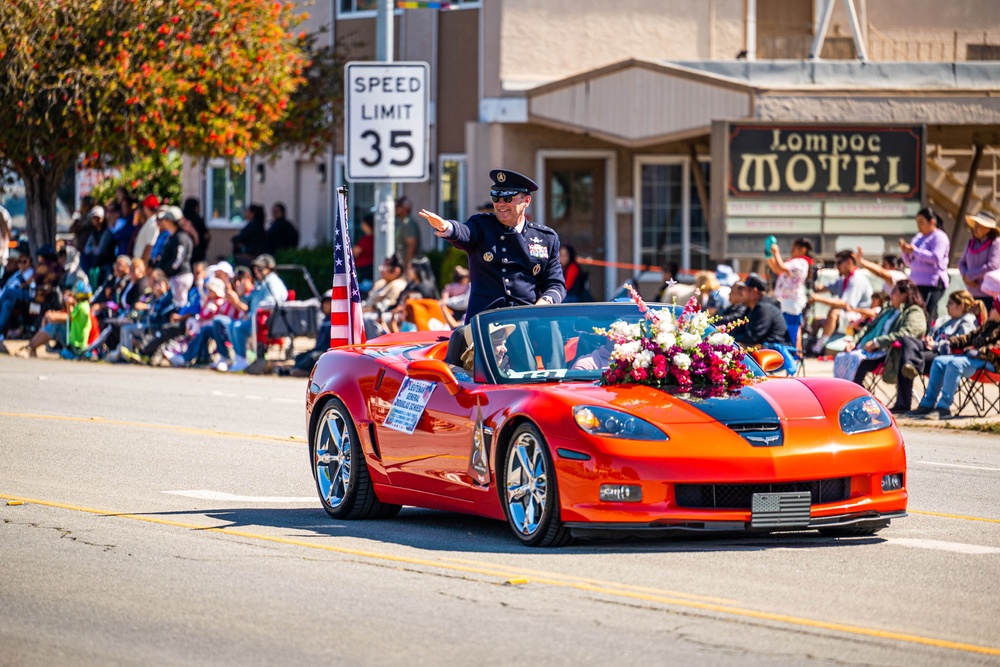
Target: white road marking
[
  {"x": 938, "y": 545},
  {"x": 954, "y": 465},
  {"x": 255, "y": 397},
  {"x": 233, "y": 498}
]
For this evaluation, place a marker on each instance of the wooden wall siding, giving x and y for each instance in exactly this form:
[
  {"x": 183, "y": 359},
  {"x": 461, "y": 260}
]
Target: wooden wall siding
[{"x": 636, "y": 106}]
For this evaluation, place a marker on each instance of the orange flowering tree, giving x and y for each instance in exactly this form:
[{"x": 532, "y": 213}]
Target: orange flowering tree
[{"x": 112, "y": 79}]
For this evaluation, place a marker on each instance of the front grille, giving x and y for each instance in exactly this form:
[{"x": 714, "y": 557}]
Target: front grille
[
  {"x": 740, "y": 496},
  {"x": 755, "y": 427}
]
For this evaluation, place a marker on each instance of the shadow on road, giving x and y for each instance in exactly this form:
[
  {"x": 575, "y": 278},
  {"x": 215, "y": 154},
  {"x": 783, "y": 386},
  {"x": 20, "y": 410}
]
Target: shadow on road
[{"x": 445, "y": 531}]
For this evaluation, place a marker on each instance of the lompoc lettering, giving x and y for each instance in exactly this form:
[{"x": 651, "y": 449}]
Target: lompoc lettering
[{"x": 806, "y": 160}]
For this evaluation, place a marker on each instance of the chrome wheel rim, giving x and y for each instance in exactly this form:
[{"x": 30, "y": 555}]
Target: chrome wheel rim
[
  {"x": 527, "y": 484},
  {"x": 332, "y": 460}
]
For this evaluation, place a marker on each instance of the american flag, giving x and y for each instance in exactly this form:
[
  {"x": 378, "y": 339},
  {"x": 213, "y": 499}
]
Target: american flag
[{"x": 346, "y": 323}]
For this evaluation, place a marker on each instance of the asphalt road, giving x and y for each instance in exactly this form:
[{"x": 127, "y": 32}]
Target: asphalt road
[{"x": 169, "y": 517}]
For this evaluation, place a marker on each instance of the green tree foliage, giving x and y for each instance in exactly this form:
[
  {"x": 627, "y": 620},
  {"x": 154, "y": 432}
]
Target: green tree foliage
[
  {"x": 156, "y": 173},
  {"x": 112, "y": 79}
]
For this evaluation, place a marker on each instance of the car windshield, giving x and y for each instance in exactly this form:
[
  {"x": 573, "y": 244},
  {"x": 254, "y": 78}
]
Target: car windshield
[{"x": 554, "y": 343}]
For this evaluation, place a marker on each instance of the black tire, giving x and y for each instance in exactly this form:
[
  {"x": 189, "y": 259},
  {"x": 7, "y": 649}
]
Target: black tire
[
  {"x": 528, "y": 480},
  {"x": 340, "y": 470},
  {"x": 849, "y": 532}
]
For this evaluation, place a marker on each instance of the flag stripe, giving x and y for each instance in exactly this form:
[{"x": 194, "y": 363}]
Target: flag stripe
[{"x": 346, "y": 320}]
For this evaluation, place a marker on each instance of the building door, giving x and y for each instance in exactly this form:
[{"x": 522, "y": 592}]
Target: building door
[{"x": 575, "y": 208}]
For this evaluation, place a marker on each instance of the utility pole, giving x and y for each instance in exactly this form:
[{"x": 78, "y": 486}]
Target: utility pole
[{"x": 385, "y": 208}]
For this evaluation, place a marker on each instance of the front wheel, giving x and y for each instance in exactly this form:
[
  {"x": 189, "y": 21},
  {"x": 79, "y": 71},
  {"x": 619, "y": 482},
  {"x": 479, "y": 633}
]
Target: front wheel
[
  {"x": 530, "y": 495},
  {"x": 339, "y": 468}
]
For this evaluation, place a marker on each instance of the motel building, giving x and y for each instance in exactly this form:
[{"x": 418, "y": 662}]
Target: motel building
[{"x": 675, "y": 130}]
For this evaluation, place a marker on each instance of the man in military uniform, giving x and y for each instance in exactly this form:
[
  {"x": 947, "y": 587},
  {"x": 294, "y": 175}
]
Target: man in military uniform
[{"x": 512, "y": 262}]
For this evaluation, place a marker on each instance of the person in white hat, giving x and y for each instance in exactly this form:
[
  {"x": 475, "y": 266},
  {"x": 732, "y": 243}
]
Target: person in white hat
[{"x": 982, "y": 254}]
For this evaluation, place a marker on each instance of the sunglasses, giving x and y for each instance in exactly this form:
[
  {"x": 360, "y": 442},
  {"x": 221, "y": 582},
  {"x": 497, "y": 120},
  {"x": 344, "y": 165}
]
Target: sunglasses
[{"x": 506, "y": 195}]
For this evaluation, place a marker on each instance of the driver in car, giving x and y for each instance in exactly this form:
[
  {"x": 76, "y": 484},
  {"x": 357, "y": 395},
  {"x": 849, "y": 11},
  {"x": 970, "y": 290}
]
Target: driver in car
[{"x": 498, "y": 339}]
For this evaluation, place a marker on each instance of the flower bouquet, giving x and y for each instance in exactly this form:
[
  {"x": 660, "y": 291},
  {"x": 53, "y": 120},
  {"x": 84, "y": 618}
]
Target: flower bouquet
[{"x": 664, "y": 351}]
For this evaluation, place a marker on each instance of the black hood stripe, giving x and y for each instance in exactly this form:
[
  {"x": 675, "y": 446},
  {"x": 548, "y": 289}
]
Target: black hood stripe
[{"x": 747, "y": 413}]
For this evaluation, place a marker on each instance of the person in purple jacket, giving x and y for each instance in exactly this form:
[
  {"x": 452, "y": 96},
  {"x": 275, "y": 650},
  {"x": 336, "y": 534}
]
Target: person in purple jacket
[
  {"x": 927, "y": 256},
  {"x": 981, "y": 256}
]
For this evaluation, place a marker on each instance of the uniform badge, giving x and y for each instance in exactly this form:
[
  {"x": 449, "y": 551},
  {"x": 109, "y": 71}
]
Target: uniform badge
[
  {"x": 501, "y": 177},
  {"x": 487, "y": 257},
  {"x": 537, "y": 250},
  {"x": 537, "y": 269}
]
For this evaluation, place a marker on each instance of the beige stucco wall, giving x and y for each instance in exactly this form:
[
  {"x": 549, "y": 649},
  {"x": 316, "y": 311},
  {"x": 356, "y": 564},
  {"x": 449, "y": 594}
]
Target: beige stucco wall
[{"x": 544, "y": 41}]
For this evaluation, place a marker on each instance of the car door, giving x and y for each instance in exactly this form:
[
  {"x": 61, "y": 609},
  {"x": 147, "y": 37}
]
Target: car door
[{"x": 435, "y": 457}]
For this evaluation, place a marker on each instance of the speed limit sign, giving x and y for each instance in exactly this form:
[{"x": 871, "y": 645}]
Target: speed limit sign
[{"x": 386, "y": 121}]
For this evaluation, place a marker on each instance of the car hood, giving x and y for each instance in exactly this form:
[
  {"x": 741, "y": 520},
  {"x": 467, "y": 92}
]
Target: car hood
[{"x": 769, "y": 401}]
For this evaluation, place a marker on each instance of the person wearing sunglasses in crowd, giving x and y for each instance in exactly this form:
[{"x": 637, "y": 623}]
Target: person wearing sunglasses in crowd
[{"x": 512, "y": 262}]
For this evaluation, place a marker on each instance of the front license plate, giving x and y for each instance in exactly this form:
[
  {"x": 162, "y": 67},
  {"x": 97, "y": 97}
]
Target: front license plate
[{"x": 780, "y": 510}]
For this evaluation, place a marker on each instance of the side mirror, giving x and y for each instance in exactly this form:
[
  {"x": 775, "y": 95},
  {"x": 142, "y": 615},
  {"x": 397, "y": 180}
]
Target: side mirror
[
  {"x": 768, "y": 360},
  {"x": 434, "y": 370}
]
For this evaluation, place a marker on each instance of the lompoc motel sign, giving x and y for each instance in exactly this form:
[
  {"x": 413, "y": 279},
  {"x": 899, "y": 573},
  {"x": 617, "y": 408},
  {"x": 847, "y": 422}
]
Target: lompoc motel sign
[{"x": 387, "y": 121}]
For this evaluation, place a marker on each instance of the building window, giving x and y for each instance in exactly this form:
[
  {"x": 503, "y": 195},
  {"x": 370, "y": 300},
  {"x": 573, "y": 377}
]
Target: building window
[
  {"x": 227, "y": 191},
  {"x": 355, "y": 6},
  {"x": 672, "y": 224},
  {"x": 451, "y": 187}
]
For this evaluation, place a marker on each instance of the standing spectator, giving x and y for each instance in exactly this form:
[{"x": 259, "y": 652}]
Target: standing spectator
[
  {"x": 6, "y": 225},
  {"x": 790, "y": 286},
  {"x": 850, "y": 292},
  {"x": 99, "y": 252},
  {"x": 269, "y": 291},
  {"x": 927, "y": 256},
  {"x": 281, "y": 233},
  {"x": 407, "y": 232},
  {"x": 175, "y": 261},
  {"x": 947, "y": 369},
  {"x": 981, "y": 255},
  {"x": 192, "y": 213},
  {"x": 81, "y": 227},
  {"x": 250, "y": 240},
  {"x": 146, "y": 229},
  {"x": 577, "y": 280},
  {"x": 121, "y": 228},
  {"x": 917, "y": 354},
  {"x": 364, "y": 253}
]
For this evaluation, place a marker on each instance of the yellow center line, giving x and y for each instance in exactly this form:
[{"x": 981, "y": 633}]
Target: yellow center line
[
  {"x": 162, "y": 427},
  {"x": 561, "y": 581},
  {"x": 954, "y": 516}
]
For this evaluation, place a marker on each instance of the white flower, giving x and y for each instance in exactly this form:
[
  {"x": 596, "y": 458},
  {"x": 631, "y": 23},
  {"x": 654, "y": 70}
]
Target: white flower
[
  {"x": 643, "y": 359},
  {"x": 626, "y": 330},
  {"x": 689, "y": 340},
  {"x": 682, "y": 361},
  {"x": 666, "y": 340},
  {"x": 698, "y": 322},
  {"x": 626, "y": 351},
  {"x": 665, "y": 320},
  {"x": 719, "y": 338}
]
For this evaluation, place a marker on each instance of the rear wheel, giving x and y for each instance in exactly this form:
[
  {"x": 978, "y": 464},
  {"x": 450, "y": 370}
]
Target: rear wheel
[
  {"x": 530, "y": 495},
  {"x": 340, "y": 470}
]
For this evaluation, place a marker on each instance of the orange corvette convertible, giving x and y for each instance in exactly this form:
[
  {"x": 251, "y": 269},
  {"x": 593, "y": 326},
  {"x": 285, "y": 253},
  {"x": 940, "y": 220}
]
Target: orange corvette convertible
[{"x": 507, "y": 419}]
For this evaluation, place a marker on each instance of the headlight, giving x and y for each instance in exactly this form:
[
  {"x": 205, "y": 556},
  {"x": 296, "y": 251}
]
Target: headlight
[
  {"x": 863, "y": 415},
  {"x": 615, "y": 424}
]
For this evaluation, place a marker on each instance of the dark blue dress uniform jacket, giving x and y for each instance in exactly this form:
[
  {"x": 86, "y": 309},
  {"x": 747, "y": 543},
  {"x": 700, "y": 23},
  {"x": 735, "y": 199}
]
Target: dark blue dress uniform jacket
[{"x": 507, "y": 268}]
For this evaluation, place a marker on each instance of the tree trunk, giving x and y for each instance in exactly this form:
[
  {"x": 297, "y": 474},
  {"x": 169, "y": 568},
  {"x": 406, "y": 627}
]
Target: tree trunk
[{"x": 40, "y": 185}]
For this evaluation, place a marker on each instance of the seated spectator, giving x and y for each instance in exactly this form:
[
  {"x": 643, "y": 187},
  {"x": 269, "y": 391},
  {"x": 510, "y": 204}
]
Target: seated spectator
[
  {"x": 21, "y": 277},
  {"x": 850, "y": 292},
  {"x": 199, "y": 328},
  {"x": 455, "y": 296},
  {"x": 904, "y": 316},
  {"x": 890, "y": 270},
  {"x": 709, "y": 295},
  {"x": 39, "y": 295},
  {"x": 669, "y": 272},
  {"x": 965, "y": 313},
  {"x": 268, "y": 292},
  {"x": 69, "y": 327},
  {"x": 980, "y": 351},
  {"x": 420, "y": 278},
  {"x": 765, "y": 326},
  {"x": 736, "y": 310},
  {"x": 577, "y": 280},
  {"x": 304, "y": 361},
  {"x": 364, "y": 254},
  {"x": 138, "y": 343},
  {"x": 383, "y": 295},
  {"x": 105, "y": 302},
  {"x": 236, "y": 308},
  {"x": 403, "y": 317}
]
